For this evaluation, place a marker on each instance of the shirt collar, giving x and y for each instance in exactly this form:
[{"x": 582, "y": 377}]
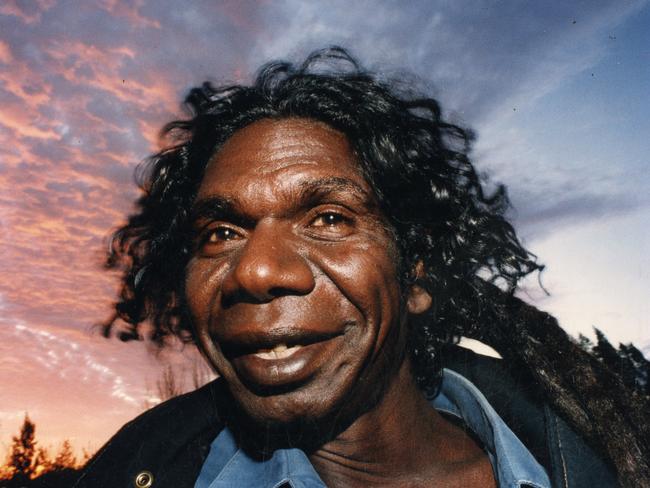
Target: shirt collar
[
  {"x": 514, "y": 466},
  {"x": 228, "y": 466}
]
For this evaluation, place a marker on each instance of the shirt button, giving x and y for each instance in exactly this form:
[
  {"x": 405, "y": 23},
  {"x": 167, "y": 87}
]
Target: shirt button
[{"x": 144, "y": 479}]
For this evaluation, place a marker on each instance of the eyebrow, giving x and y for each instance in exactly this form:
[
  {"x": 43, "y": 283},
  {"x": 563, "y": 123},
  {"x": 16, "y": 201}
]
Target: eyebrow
[
  {"x": 219, "y": 208},
  {"x": 311, "y": 193},
  {"x": 315, "y": 190}
]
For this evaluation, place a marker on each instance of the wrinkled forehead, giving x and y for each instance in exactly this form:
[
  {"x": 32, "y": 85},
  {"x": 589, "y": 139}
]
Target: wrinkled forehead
[
  {"x": 285, "y": 139},
  {"x": 275, "y": 154}
]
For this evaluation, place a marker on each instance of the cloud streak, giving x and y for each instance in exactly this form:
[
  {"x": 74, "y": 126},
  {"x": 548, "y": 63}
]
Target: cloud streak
[
  {"x": 129, "y": 11},
  {"x": 27, "y": 12}
]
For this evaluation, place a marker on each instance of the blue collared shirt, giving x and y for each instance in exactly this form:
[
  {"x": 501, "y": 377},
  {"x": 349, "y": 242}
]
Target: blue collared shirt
[{"x": 513, "y": 465}]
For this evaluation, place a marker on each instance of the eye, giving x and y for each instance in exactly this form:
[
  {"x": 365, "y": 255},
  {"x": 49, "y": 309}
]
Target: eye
[
  {"x": 330, "y": 219},
  {"x": 330, "y": 224},
  {"x": 217, "y": 236},
  {"x": 221, "y": 234}
]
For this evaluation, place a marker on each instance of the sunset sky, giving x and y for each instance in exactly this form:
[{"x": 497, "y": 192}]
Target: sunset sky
[{"x": 558, "y": 93}]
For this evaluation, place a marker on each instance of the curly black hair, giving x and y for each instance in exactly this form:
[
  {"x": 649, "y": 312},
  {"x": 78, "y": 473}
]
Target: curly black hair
[{"x": 430, "y": 193}]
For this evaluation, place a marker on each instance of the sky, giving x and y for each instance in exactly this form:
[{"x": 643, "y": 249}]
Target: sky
[{"x": 556, "y": 91}]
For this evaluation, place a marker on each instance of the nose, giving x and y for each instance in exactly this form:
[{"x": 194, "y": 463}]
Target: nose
[{"x": 269, "y": 266}]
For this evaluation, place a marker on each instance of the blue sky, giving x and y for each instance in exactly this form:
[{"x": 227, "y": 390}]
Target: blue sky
[{"x": 556, "y": 91}]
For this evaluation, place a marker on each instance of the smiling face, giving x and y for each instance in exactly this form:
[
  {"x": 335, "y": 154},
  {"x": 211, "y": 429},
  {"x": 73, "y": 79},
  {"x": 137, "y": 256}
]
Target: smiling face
[{"x": 293, "y": 286}]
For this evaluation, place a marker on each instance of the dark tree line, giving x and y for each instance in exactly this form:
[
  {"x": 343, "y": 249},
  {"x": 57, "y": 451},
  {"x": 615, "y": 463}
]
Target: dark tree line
[
  {"x": 627, "y": 361},
  {"x": 31, "y": 466}
]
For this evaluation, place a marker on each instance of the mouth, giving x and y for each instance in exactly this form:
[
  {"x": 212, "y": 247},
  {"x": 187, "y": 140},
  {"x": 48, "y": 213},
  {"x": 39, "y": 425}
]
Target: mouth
[
  {"x": 266, "y": 362},
  {"x": 281, "y": 351},
  {"x": 272, "y": 345}
]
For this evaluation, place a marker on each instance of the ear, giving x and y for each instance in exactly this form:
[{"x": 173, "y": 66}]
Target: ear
[{"x": 418, "y": 300}]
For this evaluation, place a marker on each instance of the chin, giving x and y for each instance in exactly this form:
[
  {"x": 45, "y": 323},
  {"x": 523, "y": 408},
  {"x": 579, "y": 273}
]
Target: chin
[
  {"x": 294, "y": 419},
  {"x": 287, "y": 407}
]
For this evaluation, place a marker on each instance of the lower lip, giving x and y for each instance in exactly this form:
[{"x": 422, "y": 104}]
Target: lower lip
[{"x": 294, "y": 369}]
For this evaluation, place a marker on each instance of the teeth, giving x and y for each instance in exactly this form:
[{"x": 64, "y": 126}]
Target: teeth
[{"x": 280, "y": 351}]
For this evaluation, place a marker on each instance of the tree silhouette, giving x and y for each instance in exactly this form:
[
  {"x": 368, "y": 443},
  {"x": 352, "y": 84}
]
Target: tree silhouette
[
  {"x": 606, "y": 352},
  {"x": 32, "y": 466},
  {"x": 635, "y": 369},
  {"x": 65, "y": 458},
  {"x": 585, "y": 343},
  {"x": 627, "y": 361},
  {"x": 23, "y": 450},
  {"x": 42, "y": 462}
]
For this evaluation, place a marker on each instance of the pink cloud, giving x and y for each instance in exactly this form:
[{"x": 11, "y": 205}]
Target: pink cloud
[
  {"x": 129, "y": 10},
  {"x": 75, "y": 117},
  {"x": 151, "y": 132},
  {"x": 27, "y": 123},
  {"x": 24, "y": 83},
  {"x": 5, "y": 53},
  {"x": 28, "y": 14},
  {"x": 90, "y": 65},
  {"x": 13, "y": 150}
]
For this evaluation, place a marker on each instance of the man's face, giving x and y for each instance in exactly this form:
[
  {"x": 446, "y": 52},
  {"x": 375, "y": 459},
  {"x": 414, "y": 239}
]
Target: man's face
[{"x": 293, "y": 286}]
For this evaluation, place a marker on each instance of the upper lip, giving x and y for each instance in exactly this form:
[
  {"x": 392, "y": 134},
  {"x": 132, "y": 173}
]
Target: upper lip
[{"x": 252, "y": 342}]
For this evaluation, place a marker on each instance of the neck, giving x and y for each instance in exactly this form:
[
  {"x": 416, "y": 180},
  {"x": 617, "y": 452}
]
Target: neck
[{"x": 401, "y": 440}]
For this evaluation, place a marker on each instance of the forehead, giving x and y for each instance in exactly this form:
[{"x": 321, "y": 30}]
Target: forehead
[{"x": 286, "y": 152}]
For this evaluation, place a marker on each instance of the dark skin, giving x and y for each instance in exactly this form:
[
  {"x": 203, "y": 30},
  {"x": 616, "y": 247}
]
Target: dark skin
[{"x": 294, "y": 294}]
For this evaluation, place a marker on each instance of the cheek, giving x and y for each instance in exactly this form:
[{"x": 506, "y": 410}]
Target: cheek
[
  {"x": 365, "y": 273},
  {"x": 202, "y": 285}
]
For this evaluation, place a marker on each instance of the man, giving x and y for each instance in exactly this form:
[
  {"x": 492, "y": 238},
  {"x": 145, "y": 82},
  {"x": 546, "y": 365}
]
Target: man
[{"x": 324, "y": 239}]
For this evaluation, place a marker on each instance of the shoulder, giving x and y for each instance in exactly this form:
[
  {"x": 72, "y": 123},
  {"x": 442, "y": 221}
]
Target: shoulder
[
  {"x": 169, "y": 441},
  {"x": 567, "y": 458}
]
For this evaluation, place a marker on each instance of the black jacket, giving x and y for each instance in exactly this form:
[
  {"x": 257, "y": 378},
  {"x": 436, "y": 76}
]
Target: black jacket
[{"x": 171, "y": 441}]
